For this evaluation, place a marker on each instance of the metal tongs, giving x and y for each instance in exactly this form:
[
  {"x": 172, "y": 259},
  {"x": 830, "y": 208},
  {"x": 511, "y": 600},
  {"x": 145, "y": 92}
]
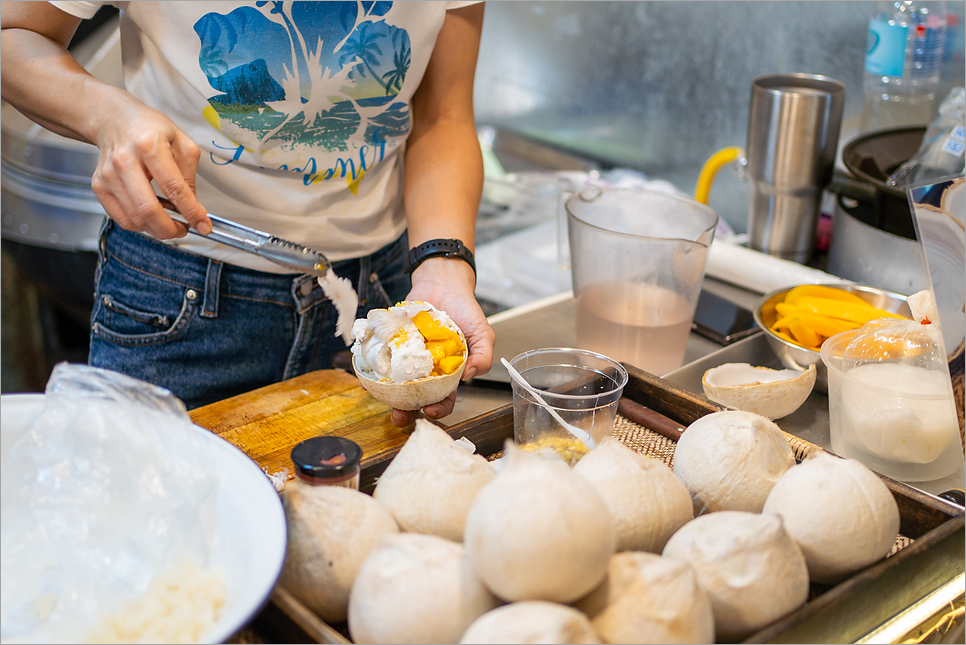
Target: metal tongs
[{"x": 290, "y": 255}]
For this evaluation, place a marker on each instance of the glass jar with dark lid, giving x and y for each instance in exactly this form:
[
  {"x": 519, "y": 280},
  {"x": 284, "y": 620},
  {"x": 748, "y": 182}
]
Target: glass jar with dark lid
[{"x": 328, "y": 461}]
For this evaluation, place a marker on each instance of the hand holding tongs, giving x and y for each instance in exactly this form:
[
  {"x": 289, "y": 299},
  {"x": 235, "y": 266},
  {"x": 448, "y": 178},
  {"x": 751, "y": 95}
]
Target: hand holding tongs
[{"x": 288, "y": 254}]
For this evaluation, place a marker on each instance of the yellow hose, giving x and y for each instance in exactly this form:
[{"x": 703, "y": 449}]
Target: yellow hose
[{"x": 711, "y": 166}]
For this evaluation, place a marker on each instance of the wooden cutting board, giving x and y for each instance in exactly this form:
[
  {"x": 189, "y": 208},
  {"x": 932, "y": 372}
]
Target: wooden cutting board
[{"x": 266, "y": 423}]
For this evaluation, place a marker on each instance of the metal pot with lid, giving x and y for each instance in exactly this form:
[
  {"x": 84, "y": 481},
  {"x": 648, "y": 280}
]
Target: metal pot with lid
[{"x": 874, "y": 239}]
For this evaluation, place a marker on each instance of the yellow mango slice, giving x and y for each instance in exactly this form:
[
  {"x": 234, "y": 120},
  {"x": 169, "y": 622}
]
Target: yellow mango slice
[
  {"x": 450, "y": 364},
  {"x": 785, "y": 309},
  {"x": 821, "y": 291},
  {"x": 825, "y": 326},
  {"x": 429, "y": 328},
  {"x": 802, "y": 333},
  {"x": 781, "y": 323},
  {"x": 850, "y": 311}
]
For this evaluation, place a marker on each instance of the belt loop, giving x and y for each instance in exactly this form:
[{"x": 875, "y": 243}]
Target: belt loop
[
  {"x": 365, "y": 276},
  {"x": 209, "y": 308}
]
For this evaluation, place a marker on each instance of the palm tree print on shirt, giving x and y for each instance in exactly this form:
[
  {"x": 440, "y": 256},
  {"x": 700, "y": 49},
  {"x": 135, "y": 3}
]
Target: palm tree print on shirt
[{"x": 297, "y": 78}]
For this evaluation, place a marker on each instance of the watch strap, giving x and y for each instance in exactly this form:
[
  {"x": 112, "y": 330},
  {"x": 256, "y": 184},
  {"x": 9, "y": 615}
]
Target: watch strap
[{"x": 437, "y": 248}]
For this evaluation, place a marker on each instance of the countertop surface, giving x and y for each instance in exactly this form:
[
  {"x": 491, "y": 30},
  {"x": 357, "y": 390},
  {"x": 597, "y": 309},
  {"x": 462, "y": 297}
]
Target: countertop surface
[{"x": 550, "y": 323}]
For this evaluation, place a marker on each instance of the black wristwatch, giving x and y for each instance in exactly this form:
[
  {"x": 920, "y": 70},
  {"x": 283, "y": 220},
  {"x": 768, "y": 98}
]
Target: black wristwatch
[{"x": 435, "y": 248}]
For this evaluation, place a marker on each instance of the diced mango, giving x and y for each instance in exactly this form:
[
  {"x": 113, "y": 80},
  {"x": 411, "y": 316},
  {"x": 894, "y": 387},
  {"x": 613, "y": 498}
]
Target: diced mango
[
  {"x": 429, "y": 328},
  {"x": 821, "y": 291},
  {"x": 436, "y": 350},
  {"x": 851, "y": 311},
  {"x": 450, "y": 364},
  {"x": 440, "y": 349}
]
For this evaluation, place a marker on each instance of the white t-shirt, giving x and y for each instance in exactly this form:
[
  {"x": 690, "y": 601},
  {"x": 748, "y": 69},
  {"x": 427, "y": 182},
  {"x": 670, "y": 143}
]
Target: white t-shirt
[{"x": 301, "y": 110}]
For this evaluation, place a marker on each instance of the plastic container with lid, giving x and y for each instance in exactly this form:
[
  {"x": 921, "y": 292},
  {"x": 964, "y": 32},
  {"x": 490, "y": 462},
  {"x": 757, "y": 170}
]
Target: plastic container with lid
[{"x": 327, "y": 461}]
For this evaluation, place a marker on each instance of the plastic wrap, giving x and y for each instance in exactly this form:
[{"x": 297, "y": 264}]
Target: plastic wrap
[
  {"x": 898, "y": 396},
  {"x": 941, "y": 152},
  {"x": 109, "y": 486}
]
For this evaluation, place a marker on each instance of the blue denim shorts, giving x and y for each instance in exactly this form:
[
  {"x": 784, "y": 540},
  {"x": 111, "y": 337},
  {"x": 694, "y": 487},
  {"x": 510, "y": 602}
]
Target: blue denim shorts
[{"x": 207, "y": 330}]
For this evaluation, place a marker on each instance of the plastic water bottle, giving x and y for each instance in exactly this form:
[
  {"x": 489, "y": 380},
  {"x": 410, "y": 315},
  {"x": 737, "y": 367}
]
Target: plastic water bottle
[{"x": 903, "y": 62}]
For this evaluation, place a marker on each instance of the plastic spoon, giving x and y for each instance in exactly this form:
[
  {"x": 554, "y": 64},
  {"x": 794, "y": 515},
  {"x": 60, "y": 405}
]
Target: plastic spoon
[{"x": 581, "y": 435}]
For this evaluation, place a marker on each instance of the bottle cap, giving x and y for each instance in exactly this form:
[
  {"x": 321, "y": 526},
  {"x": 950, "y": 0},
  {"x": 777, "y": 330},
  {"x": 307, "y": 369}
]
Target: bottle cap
[{"x": 326, "y": 457}]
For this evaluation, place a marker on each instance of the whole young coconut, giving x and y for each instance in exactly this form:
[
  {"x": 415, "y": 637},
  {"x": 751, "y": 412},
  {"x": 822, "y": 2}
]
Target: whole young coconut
[
  {"x": 647, "y": 502},
  {"x": 649, "y": 599},
  {"x": 840, "y": 513},
  {"x": 331, "y": 530},
  {"x": 539, "y": 531},
  {"x": 730, "y": 460},
  {"x": 429, "y": 486},
  {"x": 416, "y": 588},
  {"x": 749, "y": 566},
  {"x": 531, "y": 621}
]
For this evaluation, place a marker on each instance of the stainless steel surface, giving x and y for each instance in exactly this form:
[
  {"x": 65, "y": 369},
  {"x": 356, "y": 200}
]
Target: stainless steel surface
[
  {"x": 797, "y": 357},
  {"x": 660, "y": 86},
  {"x": 809, "y": 422},
  {"x": 868, "y": 255},
  {"x": 793, "y": 134},
  {"x": 41, "y": 212}
]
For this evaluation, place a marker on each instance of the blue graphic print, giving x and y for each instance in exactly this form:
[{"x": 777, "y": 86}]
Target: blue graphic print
[{"x": 296, "y": 79}]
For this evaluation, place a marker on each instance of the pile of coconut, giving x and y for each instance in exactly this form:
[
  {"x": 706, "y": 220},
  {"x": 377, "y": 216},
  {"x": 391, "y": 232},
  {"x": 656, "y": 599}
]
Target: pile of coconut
[{"x": 616, "y": 549}]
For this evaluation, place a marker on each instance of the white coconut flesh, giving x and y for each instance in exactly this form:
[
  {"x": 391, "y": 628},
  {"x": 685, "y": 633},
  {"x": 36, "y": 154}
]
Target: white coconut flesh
[
  {"x": 533, "y": 621},
  {"x": 771, "y": 393},
  {"x": 647, "y": 502},
  {"x": 331, "y": 530},
  {"x": 730, "y": 460},
  {"x": 748, "y": 564},
  {"x": 840, "y": 513},
  {"x": 646, "y": 598},
  {"x": 416, "y": 588},
  {"x": 539, "y": 531},
  {"x": 429, "y": 486}
]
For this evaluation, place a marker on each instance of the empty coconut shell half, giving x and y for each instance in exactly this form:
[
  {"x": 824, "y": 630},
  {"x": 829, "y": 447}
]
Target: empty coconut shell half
[{"x": 771, "y": 393}]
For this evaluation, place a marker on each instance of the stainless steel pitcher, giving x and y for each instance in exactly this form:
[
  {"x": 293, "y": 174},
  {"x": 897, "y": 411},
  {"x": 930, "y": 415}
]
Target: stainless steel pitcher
[{"x": 793, "y": 134}]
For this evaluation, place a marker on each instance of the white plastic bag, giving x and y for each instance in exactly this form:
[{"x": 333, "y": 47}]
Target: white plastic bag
[{"x": 109, "y": 486}]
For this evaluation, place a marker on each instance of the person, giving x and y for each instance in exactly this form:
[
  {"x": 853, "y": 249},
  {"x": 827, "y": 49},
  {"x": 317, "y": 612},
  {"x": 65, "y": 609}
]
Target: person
[{"x": 343, "y": 126}]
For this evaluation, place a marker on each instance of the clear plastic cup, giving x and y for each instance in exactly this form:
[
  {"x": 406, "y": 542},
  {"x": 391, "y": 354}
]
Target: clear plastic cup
[
  {"x": 583, "y": 387},
  {"x": 899, "y": 420}
]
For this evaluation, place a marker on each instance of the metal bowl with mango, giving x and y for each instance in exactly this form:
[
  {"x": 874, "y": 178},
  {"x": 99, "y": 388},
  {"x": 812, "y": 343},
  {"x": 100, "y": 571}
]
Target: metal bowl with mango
[{"x": 797, "y": 320}]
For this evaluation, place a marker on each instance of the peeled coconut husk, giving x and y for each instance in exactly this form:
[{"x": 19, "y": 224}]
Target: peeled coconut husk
[
  {"x": 771, "y": 393},
  {"x": 532, "y": 621},
  {"x": 429, "y": 486},
  {"x": 748, "y": 564},
  {"x": 413, "y": 395},
  {"x": 730, "y": 460},
  {"x": 840, "y": 513},
  {"x": 416, "y": 588},
  {"x": 539, "y": 531},
  {"x": 645, "y": 499},
  {"x": 331, "y": 530},
  {"x": 646, "y": 598}
]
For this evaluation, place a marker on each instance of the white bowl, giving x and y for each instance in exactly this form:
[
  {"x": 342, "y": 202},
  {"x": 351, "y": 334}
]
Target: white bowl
[{"x": 249, "y": 519}]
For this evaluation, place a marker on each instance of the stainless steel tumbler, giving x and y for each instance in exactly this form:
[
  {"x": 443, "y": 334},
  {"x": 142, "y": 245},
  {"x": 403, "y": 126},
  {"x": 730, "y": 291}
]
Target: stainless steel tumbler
[{"x": 793, "y": 135}]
